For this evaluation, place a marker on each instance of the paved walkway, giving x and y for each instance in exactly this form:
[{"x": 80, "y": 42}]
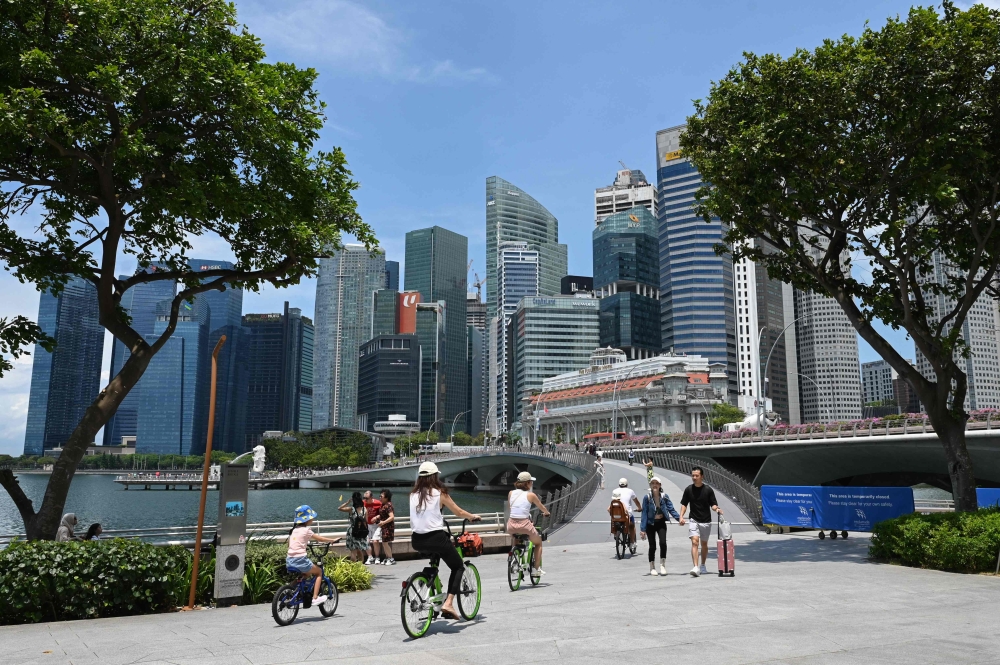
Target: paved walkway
[{"x": 795, "y": 599}]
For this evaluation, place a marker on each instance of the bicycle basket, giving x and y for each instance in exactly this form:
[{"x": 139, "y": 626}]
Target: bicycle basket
[{"x": 471, "y": 544}]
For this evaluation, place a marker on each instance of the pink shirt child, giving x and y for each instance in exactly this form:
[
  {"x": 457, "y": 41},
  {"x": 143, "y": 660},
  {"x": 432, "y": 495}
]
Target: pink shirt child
[{"x": 298, "y": 540}]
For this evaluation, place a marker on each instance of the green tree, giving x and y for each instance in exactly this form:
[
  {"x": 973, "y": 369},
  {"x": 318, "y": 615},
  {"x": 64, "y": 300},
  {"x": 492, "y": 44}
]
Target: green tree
[
  {"x": 462, "y": 439},
  {"x": 723, "y": 414},
  {"x": 17, "y": 333},
  {"x": 42, "y": 461},
  {"x": 871, "y": 153},
  {"x": 130, "y": 126},
  {"x": 558, "y": 435},
  {"x": 322, "y": 458}
]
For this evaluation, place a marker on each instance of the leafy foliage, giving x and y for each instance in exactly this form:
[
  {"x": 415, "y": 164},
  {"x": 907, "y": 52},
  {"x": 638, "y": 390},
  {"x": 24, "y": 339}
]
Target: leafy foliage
[
  {"x": 967, "y": 542},
  {"x": 269, "y": 556},
  {"x": 17, "y": 333},
  {"x": 48, "y": 581},
  {"x": 323, "y": 449},
  {"x": 723, "y": 414}
]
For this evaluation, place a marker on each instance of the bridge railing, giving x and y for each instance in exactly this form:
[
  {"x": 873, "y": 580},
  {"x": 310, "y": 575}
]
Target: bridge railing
[
  {"x": 564, "y": 503},
  {"x": 743, "y": 493}
]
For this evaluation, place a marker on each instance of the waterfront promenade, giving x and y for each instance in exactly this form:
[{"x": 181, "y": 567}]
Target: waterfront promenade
[{"x": 795, "y": 599}]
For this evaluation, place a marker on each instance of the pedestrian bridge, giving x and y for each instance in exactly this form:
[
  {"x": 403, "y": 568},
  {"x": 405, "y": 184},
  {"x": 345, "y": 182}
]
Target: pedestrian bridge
[
  {"x": 480, "y": 470},
  {"x": 849, "y": 454}
]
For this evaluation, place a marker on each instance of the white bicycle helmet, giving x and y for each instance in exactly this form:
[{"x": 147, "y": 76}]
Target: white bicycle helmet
[{"x": 622, "y": 482}]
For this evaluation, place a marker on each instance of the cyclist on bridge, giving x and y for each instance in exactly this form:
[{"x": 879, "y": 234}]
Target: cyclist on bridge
[
  {"x": 429, "y": 537},
  {"x": 627, "y": 498},
  {"x": 520, "y": 499}
]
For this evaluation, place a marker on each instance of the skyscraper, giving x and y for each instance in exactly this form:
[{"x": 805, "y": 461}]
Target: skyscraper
[
  {"x": 432, "y": 335},
  {"x": 344, "y": 289},
  {"x": 552, "y": 336},
  {"x": 140, "y": 303},
  {"x": 436, "y": 259},
  {"x": 980, "y": 331},
  {"x": 518, "y": 276},
  {"x": 173, "y": 397},
  {"x": 477, "y": 380},
  {"x": 278, "y": 348},
  {"x": 512, "y": 214},
  {"x": 388, "y": 380},
  {"x": 630, "y": 189},
  {"x": 877, "y": 381},
  {"x": 65, "y": 381},
  {"x": 475, "y": 311},
  {"x": 775, "y": 313},
  {"x": 697, "y": 303},
  {"x": 392, "y": 275},
  {"x": 385, "y": 317},
  {"x": 829, "y": 376},
  {"x": 627, "y": 276}
]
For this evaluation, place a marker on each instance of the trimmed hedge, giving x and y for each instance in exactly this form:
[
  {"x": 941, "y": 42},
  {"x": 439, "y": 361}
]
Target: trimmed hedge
[
  {"x": 958, "y": 542},
  {"x": 49, "y": 581}
]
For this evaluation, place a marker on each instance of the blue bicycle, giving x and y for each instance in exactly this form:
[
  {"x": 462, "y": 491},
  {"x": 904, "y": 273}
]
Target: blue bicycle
[{"x": 290, "y": 597}]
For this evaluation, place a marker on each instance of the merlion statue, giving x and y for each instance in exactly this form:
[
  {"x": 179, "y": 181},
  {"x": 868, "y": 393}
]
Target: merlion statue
[{"x": 259, "y": 454}]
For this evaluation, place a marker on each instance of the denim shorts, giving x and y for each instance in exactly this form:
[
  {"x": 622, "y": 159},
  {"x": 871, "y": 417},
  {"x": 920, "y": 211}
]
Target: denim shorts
[{"x": 298, "y": 564}]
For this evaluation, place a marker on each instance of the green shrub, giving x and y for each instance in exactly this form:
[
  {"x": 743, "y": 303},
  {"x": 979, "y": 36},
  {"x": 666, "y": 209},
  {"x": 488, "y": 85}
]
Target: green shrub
[
  {"x": 959, "y": 542},
  {"x": 269, "y": 555},
  {"x": 49, "y": 581}
]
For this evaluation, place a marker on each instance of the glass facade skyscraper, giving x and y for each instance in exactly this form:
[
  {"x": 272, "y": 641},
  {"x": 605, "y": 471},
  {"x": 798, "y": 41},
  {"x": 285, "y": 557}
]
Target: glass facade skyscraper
[
  {"x": 344, "y": 289},
  {"x": 140, "y": 302},
  {"x": 431, "y": 334},
  {"x": 552, "y": 335},
  {"x": 385, "y": 312},
  {"x": 512, "y": 214},
  {"x": 436, "y": 261},
  {"x": 65, "y": 381},
  {"x": 389, "y": 379},
  {"x": 173, "y": 397},
  {"x": 392, "y": 275},
  {"x": 626, "y": 277},
  {"x": 697, "y": 302}
]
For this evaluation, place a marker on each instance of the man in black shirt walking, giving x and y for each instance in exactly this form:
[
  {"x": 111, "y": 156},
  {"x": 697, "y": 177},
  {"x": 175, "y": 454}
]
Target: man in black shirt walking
[{"x": 701, "y": 499}]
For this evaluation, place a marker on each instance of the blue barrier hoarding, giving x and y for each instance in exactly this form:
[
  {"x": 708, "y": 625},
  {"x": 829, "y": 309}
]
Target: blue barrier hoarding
[
  {"x": 839, "y": 508},
  {"x": 987, "y": 497}
]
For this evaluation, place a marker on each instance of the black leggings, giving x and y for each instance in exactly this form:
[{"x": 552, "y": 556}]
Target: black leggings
[
  {"x": 438, "y": 542},
  {"x": 657, "y": 528}
]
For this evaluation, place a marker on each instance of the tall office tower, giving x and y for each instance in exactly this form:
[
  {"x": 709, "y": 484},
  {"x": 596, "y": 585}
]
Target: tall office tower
[
  {"x": 477, "y": 379},
  {"x": 436, "y": 260},
  {"x": 392, "y": 275},
  {"x": 512, "y": 214},
  {"x": 65, "y": 381},
  {"x": 388, "y": 380},
  {"x": 627, "y": 279},
  {"x": 749, "y": 365},
  {"x": 385, "y": 308},
  {"x": 629, "y": 190},
  {"x": 697, "y": 303},
  {"x": 225, "y": 307},
  {"x": 306, "y": 376},
  {"x": 980, "y": 331},
  {"x": 829, "y": 380},
  {"x": 573, "y": 284},
  {"x": 431, "y": 333},
  {"x": 518, "y": 276},
  {"x": 140, "y": 303},
  {"x": 173, "y": 397},
  {"x": 552, "y": 336},
  {"x": 475, "y": 311},
  {"x": 775, "y": 312},
  {"x": 344, "y": 289},
  {"x": 278, "y": 345},
  {"x": 877, "y": 381}
]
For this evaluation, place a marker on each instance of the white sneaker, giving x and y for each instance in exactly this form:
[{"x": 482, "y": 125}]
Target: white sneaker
[
  {"x": 652, "y": 569},
  {"x": 703, "y": 570},
  {"x": 695, "y": 572},
  {"x": 539, "y": 571},
  {"x": 663, "y": 569},
  {"x": 369, "y": 561},
  {"x": 319, "y": 600},
  {"x": 389, "y": 562}
]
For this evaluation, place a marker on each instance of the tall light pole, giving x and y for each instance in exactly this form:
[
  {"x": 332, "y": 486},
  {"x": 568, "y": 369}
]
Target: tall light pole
[
  {"x": 452, "y": 437},
  {"x": 763, "y": 379},
  {"x": 818, "y": 389},
  {"x": 615, "y": 396}
]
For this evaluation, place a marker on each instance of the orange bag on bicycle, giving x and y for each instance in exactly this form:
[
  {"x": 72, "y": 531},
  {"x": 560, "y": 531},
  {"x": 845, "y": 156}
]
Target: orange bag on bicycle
[
  {"x": 618, "y": 513},
  {"x": 471, "y": 544}
]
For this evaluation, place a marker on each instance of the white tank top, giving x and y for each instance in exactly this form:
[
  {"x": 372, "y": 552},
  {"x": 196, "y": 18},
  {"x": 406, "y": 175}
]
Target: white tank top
[
  {"x": 520, "y": 507},
  {"x": 430, "y": 518}
]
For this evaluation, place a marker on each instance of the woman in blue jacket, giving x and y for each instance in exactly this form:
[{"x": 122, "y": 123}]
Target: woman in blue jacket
[{"x": 656, "y": 505}]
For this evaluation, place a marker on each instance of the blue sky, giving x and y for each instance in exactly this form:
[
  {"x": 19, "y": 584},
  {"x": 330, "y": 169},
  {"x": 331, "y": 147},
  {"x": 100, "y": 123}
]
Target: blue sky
[{"x": 427, "y": 99}]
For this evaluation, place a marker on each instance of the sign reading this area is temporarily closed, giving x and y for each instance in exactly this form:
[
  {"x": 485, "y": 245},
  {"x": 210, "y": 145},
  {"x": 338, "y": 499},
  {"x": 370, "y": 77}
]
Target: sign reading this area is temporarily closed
[{"x": 839, "y": 508}]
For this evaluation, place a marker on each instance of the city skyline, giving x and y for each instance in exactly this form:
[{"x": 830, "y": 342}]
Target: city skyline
[{"x": 541, "y": 152}]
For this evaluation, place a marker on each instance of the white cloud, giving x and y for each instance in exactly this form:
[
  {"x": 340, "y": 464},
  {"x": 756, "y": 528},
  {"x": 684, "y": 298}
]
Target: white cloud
[
  {"x": 14, "y": 389},
  {"x": 350, "y": 36}
]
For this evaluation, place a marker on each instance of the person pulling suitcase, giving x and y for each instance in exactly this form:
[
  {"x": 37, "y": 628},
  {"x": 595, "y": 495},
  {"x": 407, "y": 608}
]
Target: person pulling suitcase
[
  {"x": 726, "y": 548},
  {"x": 700, "y": 498}
]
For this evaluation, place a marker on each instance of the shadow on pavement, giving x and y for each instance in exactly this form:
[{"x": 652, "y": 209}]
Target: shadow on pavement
[{"x": 801, "y": 548}]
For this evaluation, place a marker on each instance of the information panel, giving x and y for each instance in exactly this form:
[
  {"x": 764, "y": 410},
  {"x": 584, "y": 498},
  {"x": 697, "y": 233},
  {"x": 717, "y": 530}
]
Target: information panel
[
  {"x": 988, "y": 497},
  {"x": 838, "y": 508}
]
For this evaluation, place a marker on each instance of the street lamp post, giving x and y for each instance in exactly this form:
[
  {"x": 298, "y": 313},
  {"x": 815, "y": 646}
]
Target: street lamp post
[
  {"x": 818, "y": 389},
  {"x": 615, "y": 399},
  {"x": 763, "y": 379},
  {"x": 453, "y": 422}
]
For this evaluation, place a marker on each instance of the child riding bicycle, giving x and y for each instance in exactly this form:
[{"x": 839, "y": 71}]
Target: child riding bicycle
[{"x": 298, "y": 541}]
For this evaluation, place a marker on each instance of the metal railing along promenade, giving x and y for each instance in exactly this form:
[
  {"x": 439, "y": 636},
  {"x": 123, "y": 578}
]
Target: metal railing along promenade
[{"x": 743, "y": 493}]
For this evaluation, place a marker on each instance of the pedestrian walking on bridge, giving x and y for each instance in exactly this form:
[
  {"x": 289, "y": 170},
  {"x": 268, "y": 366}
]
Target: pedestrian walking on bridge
[
  {"x": 701, "y": 499},
  {"x": 656, "y": 506}
]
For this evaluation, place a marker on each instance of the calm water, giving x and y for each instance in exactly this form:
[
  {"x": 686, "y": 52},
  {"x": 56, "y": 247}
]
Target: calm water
[{"x": 96, "y": 498}]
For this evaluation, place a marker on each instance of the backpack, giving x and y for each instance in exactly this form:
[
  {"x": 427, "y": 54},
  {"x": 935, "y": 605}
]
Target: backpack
[
  {"x": 359, "y": 525},
  {"x": 471, "y": 544}
]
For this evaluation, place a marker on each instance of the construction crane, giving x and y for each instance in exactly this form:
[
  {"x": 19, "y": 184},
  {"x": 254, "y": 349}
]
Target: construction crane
[
  {"x": 478, "y": 283},
  {"x": 623, "y": 165}
]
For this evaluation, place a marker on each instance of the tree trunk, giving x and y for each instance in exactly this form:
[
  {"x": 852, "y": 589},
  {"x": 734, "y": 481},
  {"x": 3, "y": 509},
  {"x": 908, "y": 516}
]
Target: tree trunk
[
  {"x": 44, "y": 524},
  {"x": 951, "y": 433}
]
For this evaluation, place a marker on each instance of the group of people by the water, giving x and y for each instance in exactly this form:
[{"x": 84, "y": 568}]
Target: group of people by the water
[
  {"x": 371, "y": 527},
  {"x": 67, "y": 530}
]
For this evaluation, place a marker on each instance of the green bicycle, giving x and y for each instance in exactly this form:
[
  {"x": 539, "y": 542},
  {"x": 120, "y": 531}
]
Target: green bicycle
[
  {"x": 422, "y": 595},
  {"x": 519, "y": 560}
]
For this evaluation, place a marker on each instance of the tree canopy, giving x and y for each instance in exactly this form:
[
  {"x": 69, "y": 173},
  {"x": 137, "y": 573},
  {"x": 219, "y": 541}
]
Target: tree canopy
[
  {"x": 132, "y": 127},
  {"x": 858, "y": 170}
]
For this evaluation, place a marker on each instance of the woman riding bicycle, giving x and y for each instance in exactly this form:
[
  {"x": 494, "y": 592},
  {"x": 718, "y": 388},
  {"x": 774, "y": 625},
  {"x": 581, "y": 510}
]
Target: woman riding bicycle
[
  {"x": 520, "y": 499},
  {"x": 298, "y": 540},
  {"x": 429, "y": 535}
]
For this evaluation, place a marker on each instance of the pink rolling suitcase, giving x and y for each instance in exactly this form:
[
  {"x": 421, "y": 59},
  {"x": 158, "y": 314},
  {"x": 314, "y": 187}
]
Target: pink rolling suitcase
[{"x": 727, "y": 549}]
